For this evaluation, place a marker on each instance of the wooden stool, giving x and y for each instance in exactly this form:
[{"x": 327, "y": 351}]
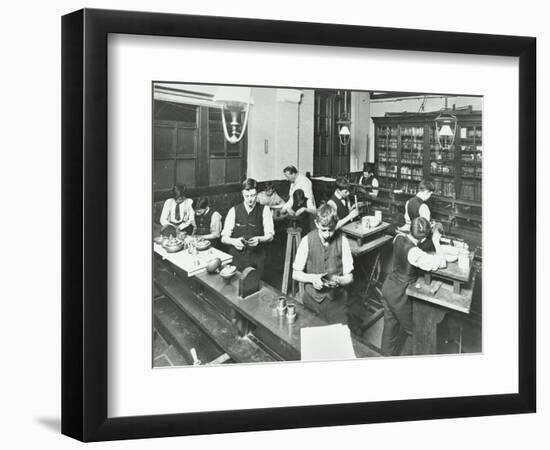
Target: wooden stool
[{"x": 294, "y": 237}]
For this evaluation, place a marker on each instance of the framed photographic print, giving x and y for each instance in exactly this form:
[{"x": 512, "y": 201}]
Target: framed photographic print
[{"x": 274, "y": 224}]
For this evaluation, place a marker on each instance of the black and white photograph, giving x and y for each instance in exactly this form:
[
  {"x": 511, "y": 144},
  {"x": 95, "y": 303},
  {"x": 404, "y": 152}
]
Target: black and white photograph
[{"x": 314, "y": 224}]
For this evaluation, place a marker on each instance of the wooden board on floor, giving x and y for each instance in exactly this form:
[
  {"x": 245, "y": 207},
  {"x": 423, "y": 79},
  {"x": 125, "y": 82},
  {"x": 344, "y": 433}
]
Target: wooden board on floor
[{"x": 221, "y": 330}]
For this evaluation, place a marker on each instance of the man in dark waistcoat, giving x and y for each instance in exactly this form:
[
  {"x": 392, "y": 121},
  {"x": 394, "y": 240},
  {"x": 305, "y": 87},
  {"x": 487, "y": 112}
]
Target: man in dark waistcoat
[
  {"x": 207, "y": 222},
  {"x": 368, "y": 180},
  {"x": 408, "y": 257},
  {"x": 325, "y": 264},
  {"x": 416, "y": 206},
  {"x": 340, "y": 201},
  {"x": 248, "y": 226}
]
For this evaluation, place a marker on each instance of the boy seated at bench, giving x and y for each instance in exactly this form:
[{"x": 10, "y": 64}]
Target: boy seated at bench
[
  {"x": 269, "y": 197},
  {"x": 207, "y": 222},
  {"x": 325, "y": 264}
]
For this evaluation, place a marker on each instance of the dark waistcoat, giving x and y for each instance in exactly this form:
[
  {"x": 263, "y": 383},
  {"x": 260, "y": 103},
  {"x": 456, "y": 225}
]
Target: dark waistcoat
[
  {"x": 321, "y": 259},
  {"x": 403, "y": 270},
  {"x": 248, "y": 225},
  {"x": 203, "y": 223},
  {"x": 413, "y": 207},
  {"x": 341, "y": 209}
]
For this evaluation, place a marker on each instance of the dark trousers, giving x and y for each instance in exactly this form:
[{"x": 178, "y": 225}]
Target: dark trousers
[
  {"x": 398, "y": 321},
  {"x": 331, "y": 310},
  {"x": 249, "y": 257}
]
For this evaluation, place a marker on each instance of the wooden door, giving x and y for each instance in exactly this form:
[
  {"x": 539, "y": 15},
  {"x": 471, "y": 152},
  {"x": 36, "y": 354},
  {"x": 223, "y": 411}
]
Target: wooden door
[{"x": 330, "y": 157}]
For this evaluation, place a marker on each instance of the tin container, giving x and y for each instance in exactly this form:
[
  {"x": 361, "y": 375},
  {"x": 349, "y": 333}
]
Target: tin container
[
  {"x": 291, "y": 313},
  {"x": 281, "y": 305}
]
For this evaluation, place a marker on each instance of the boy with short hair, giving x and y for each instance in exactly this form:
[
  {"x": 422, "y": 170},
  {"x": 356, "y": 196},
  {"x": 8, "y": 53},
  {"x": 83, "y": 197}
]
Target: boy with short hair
[
  {"x": 325, "y": 264},
  {"x": 416, "y": 206},
  {"x": 248, "y": 226},
  {"x": 345, "y": 211},
  {"x": 207, "y": 222}
]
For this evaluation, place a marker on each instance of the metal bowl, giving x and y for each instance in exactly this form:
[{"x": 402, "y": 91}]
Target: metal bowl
[
  {"x": 203, "y": 245},
  {"x": 173, "y": 246},
  {"x": 227, "y": 272}
]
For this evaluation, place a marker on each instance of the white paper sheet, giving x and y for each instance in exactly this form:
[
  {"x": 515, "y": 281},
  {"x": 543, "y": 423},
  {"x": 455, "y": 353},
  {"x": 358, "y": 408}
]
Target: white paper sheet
[{"x": 326, "y": 343}]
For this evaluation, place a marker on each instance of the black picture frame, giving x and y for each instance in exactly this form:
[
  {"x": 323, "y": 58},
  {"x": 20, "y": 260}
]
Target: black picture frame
[{"x": 84, "y": 224}]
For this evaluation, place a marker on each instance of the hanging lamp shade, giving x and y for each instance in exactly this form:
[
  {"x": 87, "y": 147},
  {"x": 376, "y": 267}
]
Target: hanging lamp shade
[
  {"x": 236, "y": 100},
  {"x": 344, "y": 131},
  {"x": 446, "y": 131}
]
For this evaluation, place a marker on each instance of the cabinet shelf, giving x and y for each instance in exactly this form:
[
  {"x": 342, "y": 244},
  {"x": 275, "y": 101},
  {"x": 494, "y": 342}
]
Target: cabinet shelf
[{"x": 420, "y": 152}]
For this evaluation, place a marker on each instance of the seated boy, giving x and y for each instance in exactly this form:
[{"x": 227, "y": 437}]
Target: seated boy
[
  {"x": 323, "y": 255},
  {"x": 269, "y": 197},
  {"x": 340, "y": 201},
  {"x": 207, "y": 222}
]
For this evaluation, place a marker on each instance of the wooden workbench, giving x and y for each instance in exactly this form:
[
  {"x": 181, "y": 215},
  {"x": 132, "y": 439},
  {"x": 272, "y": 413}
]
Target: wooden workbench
[
  {"x": 253, "y": 318},
  {"x": 429, "y": 309},
  {"x": 358, "y": 233}
]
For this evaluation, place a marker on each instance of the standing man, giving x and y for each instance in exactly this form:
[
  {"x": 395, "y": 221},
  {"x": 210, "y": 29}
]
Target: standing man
[
  {"x": 345, "y": 211},
  {"x": 299, "y": 181},
  {"x": 248, "y": 226}
]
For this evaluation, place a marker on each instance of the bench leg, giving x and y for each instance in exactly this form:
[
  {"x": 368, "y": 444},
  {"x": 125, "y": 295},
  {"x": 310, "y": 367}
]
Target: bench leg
[{"x": 456, "y": 287}]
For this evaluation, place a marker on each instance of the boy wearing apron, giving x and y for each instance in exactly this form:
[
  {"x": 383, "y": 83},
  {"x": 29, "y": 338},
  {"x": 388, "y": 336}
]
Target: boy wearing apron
[{"x": 407, "y": 259}]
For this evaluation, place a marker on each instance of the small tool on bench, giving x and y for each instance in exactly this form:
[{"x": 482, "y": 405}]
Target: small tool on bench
[
  {"x": 434, "y": 287},
  {"x": 196, "y": 361}
]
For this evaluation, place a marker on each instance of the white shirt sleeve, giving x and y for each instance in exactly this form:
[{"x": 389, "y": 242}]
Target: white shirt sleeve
[
  {"x": 347, "y": 257},
  {"x": 424, "y": 211},
  {"x": 188, "y": 213},
  {"x": 216, "y": 223},
  {"x": 301, "y": 256},
  {"x": 229, "y": 223},
  {"x": 407, "y": 218},
  {"x": 419, "y": 258},
  {"x": 288, "y": 205},
  {"x": 374, "y": 192},
  {"x": 308, "y": 189},
  {"x": 165, "y": 214},
  {"x": 267, "y": 218}
]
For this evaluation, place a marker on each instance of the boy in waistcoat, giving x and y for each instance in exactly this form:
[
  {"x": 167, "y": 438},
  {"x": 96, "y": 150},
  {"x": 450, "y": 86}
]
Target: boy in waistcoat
[
  {"x": 416, "y": 206},
  {"x": 207, "y": 222},
  {"x": 248, "y": 227},
  {"x": 341, "y": 203},
  {"x": 408, "y": 257},
  {"x": 322, "y": 255}
]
